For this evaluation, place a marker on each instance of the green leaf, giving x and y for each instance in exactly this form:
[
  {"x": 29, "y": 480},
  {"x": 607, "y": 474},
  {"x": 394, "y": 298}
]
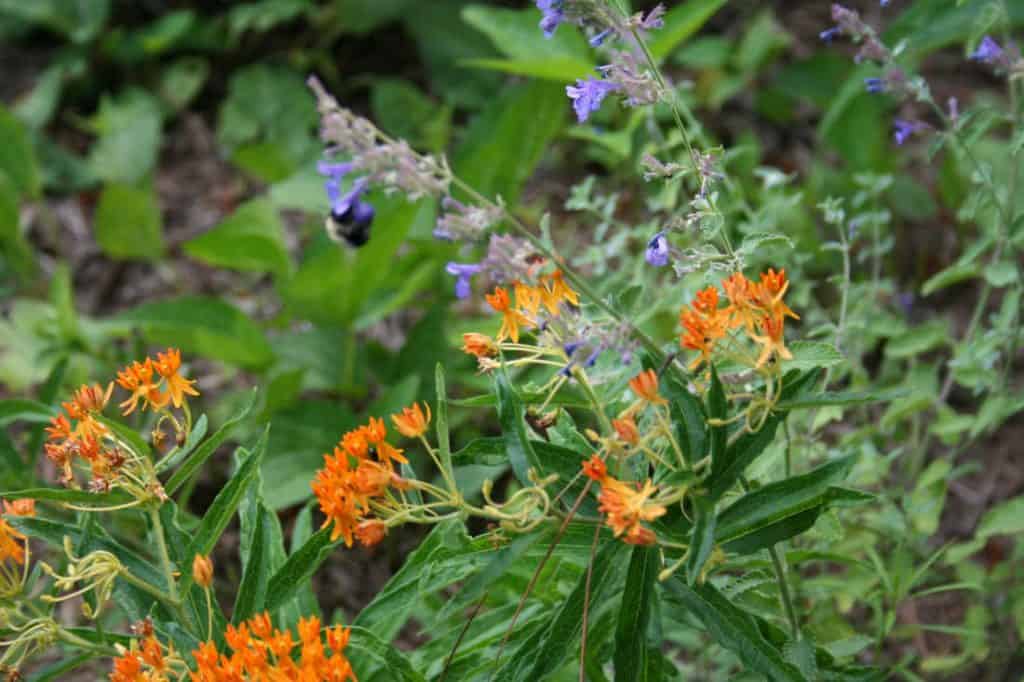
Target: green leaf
[
  {"x": 17, "y": 160},
  {"x": 78, "y": 497},
  {"x": 129, "y": 129},
  {"x": 1006, "y": 518},
  {"x": 734, "y": 629},
  {"x": 747, "y": 447},
  {"x": 79, "y": 21},
  {"x": 954, "y": 274},
  {"x": 688, "y": 420},
  {"x": 362, "y": 16},
  {"x": 755, "y": 520},
  {"x": 718, "y": 408},
  {"x": 371, "y": 655},
  {"x": 631, "y": 657},
  {"x": 403, "y": 111},
  {"x": 812, "y": 354},
  {"x": 444, "y": 446},
  {"x": 251, "y": 240},
  {"x": 128, "y": 223},
  {"x": 24, "y": 410},
  {"x": 262, "y": 552},
  {"x": 506, "y": 142},
  {"x": 518, "y": 447},
  {"x": 204, "y": 451},
  {"x": 126, "y": 434},
  {"x": 680, "y": 23},
  {"x": 16, "y": 254},
  {"x": 563, "y": 57},
  {"x": 547, "y": 649},
  {"x": 301, "y": 564},
  {"x": 179, "y": 453},
  {"x": 920, "y": 339},
  {"x": 203, "y": 325},
  {"x": 225, "y": 504},
  {"x": 703, "y": 538}
]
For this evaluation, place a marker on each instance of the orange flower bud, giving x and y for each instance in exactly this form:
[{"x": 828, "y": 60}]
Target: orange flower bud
[
  {"x": 202, "y": 571},
  {"x": 627, "y": 430},
  {"x": 479, "y": 345},
  {"x": 412, "y": 423},
  {"x": 645, "y": 385}
]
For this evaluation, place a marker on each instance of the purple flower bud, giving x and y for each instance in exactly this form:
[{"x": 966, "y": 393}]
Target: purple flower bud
[
  {"x": 598, "y": 39},
  {"x": 571, "y": 347},
  {"x": 626, "y": 357},
  {"x": 553, "y": 16},
  {"x": 567, "y": 370},
  {"x": 988, "y": 51},
  {"x": 657, "y": 251},
  {"x": 830, "y": 34},
  {"x": 462, "y": 272},
  {"x": 587, "y": 96},
  {"x": 874, "y": 85},
  {"x": 906, "y": 301},
  {"x": 655, "y": 19},
  {"x": 902, "y": 129},
  {"x": 592, "y": 358}
]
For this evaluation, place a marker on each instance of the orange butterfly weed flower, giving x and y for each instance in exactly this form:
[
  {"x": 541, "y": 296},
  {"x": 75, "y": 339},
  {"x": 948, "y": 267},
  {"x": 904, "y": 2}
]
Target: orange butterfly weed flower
[
  {"x": 137, "y": 378},
  {"x": 557, "y": 290},
  {"x": 512, "y": 319},
  {"x": 595, "y": 469},
  {"x": 741, "y": 293},
  {"x": 11, "y": 546},
  {"x": 480, "y": 345},
  {"x": 627, "y": 430},
  {"x": 772, "y": 288},
  {"x": 23, "y": 507},
  {"x": 528, "y": 298},
  {"x": 645, "y": 386},
  {"x": 167, "y": 365},
  {"x": 772, "y": 342},
  {"x": 626, "y": 508},
  {"x": 375, "y": 433},
  {"x": 412, "y": 422},
  {"x": 371, "y": 532}
]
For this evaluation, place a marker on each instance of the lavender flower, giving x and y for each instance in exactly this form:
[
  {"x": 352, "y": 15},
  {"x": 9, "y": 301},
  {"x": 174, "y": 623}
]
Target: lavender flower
[
  {"x": 830, "y": 34},
  {"x": 903, "y": 129},
  {"x": 657, "y": 250},
  {"x": 635, "y": 82},
  {"x": 571, "y": 347},
  {"x": 462, "y": 222},
  {"x": 554, "y": 15},
  {"x": 598, "y": 39},
  {"x": 588, "y": 94},
  {"x": 655, "y": 19},
  {"x": 462, "y": 272},
  {"x": 988, "y": 51},
  {"x": 874, "y": 85}
]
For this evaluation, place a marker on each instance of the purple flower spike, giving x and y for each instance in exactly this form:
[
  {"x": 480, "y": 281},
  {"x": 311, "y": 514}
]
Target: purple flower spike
[
  {"x": 598, "y": 39},
  {"x": 553, "y": 16},
  {"x": 655, "y": 19},
  {"x": 657, "y": 250},
  {"x": 902, "y": 129},
  {"x": 988, "y": 51},
  {"x": 571, "y": 347},
  {"x": 462, "y": 272},
  {"x": 592, "y": 358},
  {"x": 830, "y": 34},
  {"x": 587, "y": 96},
  {"x": 874, "y": 85}
]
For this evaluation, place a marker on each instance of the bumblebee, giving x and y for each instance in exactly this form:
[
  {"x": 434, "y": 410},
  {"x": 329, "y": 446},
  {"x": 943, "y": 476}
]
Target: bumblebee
[{"x": 351, "y": 224}]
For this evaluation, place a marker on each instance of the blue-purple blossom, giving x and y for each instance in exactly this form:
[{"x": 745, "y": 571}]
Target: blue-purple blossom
[
  {"x": 874, "y": 85},
  {"x": 657, "y": 250},
  {"x": 571, "y": 347},
  {"x": 830, "y": 34},
  {"x": 462, "y": 272},
  {"x": 588, "y": 94},
  {"x": 598, "y": 39},
  {"x": 988, "y": 51},
  {"x": 592, "y": 358},
  {"x": 655, "y": 19},
  {"x": 553, "y": 16},
  {"x": 903, "y": 129}
]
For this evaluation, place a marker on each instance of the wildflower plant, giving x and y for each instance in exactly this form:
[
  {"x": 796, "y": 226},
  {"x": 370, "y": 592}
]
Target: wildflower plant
[{"x": 672, "y": 477}]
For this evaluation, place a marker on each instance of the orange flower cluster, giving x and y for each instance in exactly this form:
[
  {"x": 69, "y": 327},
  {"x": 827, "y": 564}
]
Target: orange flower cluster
[
  {"x": 83, "y": 438},
  {"x": 144, "y": 664},
  {"x": 625, "y": 506},
  {"x": 753, "y": 306},
  {"x": 550, "y": 292},
  {"x": 168, "y": 386},
  {"x": 360, "y": 470},
  {"x": 262, "y": 652},
  {"x": 11, "y": 541}
]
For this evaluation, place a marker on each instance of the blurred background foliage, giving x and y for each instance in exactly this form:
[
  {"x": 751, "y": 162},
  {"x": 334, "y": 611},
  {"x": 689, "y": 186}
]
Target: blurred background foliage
[{"x": 158, "y": 187}]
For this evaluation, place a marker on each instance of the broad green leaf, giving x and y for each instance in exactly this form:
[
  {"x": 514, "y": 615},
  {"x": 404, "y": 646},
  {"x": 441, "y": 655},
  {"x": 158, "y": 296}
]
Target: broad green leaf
[
  {"x": 362, "y": 16},
  {"x": 128, "y": 126},
  {"x": 24, "y": 410},
  {"x": 549, "y": 647},
  {"x": 301, "y": 564},
  {"x": 403, "y": 111},
  {"x": 250, "y": 239},
  {"x": 79, "y": 21},
  {"x": 717, "y": 408},
  {"x": 202, "y": 325},
  {"x": 631, "y": 657},
  {"x": 917, "y": 340},
  {"x": 954, "y": 274},
  {"x": 128, "y": 223},
  {"x": 17, "y": 160},
  {"x": 812, "y": 354},
  {"x": 225, "y": 504},
  {"x": 515, "y": 33},
  {"x": 1006, "y": 518},
  {"x": 511, "y": 415},
  {"x": 203, "y": 452},
  {"x": 507, "y": 140},
  {"x": 703, "y": 538},
  {"x": 680, "y": 23},
  {"x": 688, "y": 420},
  {"x": 752, "y": 520},
  {"x": 16, "y": 254},
  {"x": 734, "y": 629}
]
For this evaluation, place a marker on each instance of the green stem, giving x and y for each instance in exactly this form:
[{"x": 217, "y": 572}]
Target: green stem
[
  {"x": 165, "y": 560},
  {"x": 127, "y": 576}
]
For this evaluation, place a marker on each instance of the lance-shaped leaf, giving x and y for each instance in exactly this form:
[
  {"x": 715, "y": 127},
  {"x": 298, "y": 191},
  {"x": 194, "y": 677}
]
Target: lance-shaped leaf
[
  {"x": 511, "y": 414},
  {"x": 632, "y": 653},
  {"x": 703, "y": 538}
]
